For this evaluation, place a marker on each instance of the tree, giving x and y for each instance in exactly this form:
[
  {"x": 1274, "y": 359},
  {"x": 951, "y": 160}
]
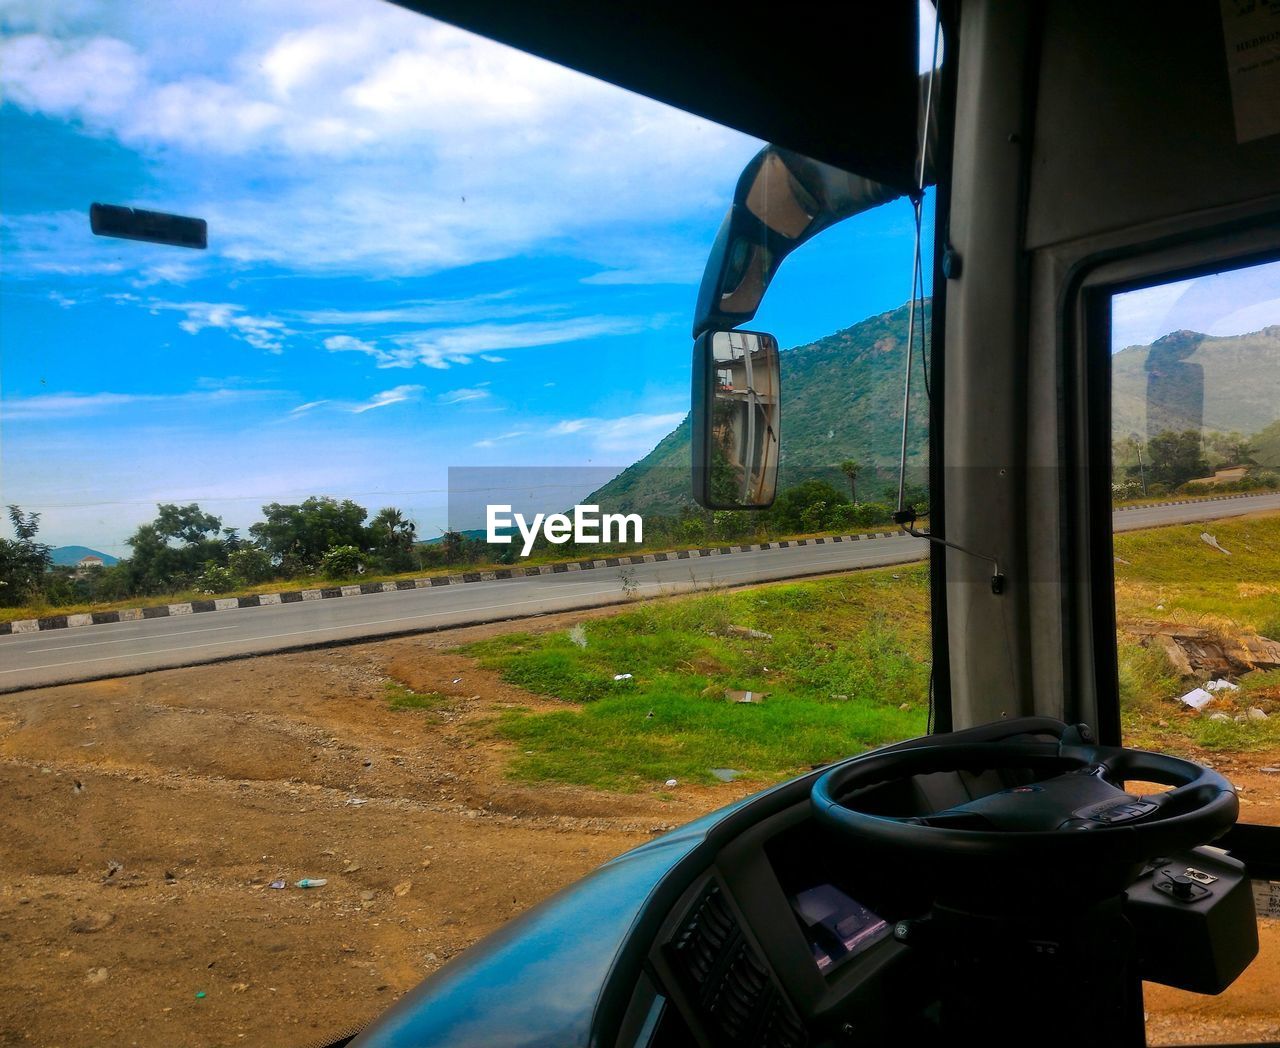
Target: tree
[
  {"x": 23, "y": 563},
  {"x": 851, "y": 468},
  {"x": 391, "y": 538},
  {"x": 298, "y": 536},
  {"x": 1175, "y": 458},
  {"x": 173, "y": 550}
]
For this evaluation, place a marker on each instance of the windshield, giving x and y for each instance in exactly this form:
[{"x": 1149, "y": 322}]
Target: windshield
[{"x": 274, "y": 503}]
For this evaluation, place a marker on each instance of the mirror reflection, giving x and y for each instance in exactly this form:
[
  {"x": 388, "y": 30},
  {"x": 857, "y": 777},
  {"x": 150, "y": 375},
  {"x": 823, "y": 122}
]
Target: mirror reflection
[{"x": 743, "y": 437}]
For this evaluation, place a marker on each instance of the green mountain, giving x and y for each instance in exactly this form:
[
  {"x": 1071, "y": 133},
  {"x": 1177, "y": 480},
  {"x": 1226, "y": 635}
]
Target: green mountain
[
  {"x": 841, "y": 399},
  {"x": 1187, "y": 380},
  {"x": 67, "y": 555}
]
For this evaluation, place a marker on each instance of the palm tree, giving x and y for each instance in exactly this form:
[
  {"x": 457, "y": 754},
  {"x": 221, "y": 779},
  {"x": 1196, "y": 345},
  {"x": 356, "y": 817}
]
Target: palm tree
[{"x": 851, "y": 469}]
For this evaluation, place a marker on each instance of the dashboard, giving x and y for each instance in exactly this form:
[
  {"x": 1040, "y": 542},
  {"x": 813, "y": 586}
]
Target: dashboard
[{"x": 786, "y": 939}]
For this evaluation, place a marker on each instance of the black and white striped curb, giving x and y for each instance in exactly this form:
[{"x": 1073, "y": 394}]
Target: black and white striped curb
[
  {"x": 1192, "y": 502},
  {"x": 263, "y": 600}
]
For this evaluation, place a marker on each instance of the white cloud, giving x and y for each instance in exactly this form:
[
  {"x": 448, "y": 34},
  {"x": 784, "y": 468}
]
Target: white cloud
[
  {"x": 388, "y": 396},
  {"x": 303, "y": 408},
  {"x": 628, "y": 434},
  {"x": 461, "y": 396},
  {"x": 443, "y": 347},
  {"x": 266, "y": 333},
  {"x": 490, "y": 442},
  {"x": 78, "y": 405},
  {"x": 373, "y": 139}
]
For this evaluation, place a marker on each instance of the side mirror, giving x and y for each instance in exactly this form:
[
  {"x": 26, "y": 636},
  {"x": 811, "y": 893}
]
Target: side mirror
[{"x": 736, "y": 414}]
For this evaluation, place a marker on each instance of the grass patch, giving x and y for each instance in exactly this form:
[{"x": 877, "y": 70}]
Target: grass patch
[
  {"x": 845, "y": 656},
  {"x": 401, "y": 698},
  {"x": 1171, "y": 574}
]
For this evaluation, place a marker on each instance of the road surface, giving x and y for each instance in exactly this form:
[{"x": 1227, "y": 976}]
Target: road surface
[{"x": 116, "y": 649}]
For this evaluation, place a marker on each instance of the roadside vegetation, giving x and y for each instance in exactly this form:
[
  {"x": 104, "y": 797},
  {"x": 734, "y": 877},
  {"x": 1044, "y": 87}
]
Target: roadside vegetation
[
  {"x": 653, "y": 694},
  {"x": 186, "y": 553},
  {"x": 843, "y": 665}
]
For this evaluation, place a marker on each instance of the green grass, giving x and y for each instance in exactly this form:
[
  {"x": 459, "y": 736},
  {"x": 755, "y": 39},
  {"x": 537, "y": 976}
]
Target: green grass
[
  {"x": 400, "y": 697},
  {"x": 846, "y": 654},
  {"x": 1172, "y": 575}
]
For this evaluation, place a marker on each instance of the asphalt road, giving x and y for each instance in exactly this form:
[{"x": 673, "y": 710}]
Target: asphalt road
[{"x": 116, "y": 649}]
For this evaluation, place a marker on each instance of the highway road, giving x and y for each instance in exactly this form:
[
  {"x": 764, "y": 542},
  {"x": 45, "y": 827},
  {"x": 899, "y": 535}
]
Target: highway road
[{"x": 116, "y": 649}]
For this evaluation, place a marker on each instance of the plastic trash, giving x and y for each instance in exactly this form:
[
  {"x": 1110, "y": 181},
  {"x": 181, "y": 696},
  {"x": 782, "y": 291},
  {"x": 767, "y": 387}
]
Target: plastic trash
[
  {"x": 200, "y": 994},
  {"x": 578, "y": 636},
  {"x": 277, "y": 883},
  {"x": 725, "y": 774},
  {"x": 622, "y": 676},
  {"x": 312, "y": 882},
  {"x": 747, "y": 631},
  {"x": 672, "y": 782},
  {"x": 355, "y": 802},
  {"x": 1220, "y": 684},
  {"x": 751, "y": 698},
  {"x": 1197, "y": 698},
  {"x": 1219, "y": 717},
  {"x": 1210, "y": 540}
]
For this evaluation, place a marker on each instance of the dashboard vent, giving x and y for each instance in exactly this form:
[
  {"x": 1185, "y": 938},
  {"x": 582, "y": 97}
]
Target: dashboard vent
[{"x": 728, "y": 981}]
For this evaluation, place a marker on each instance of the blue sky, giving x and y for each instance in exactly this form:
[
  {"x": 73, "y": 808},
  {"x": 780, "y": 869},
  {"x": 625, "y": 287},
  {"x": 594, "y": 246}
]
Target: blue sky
[{"x": 426, "y": 250}]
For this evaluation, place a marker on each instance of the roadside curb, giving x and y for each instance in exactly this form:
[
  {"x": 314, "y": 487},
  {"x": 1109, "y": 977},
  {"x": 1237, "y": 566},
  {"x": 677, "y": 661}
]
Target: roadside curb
[
  {"x": 263, "y": 600},
  {"x": 1192, "y": 502}
]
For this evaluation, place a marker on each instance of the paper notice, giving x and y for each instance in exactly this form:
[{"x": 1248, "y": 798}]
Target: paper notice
[
  {"x": 1251, "y": 29},
  {"x": 1266, "y": 898}
]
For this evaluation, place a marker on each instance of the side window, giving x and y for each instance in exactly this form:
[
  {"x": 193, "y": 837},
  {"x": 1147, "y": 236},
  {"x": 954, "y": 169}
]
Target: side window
[{"x": 1195, "y": 428}]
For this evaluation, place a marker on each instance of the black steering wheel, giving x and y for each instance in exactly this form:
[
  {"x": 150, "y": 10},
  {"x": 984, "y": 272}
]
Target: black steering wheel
[{"x": 1068, "y": 804}]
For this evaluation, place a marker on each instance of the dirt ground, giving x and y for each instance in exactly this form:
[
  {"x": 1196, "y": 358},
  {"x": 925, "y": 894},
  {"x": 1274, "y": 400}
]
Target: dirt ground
[{"x": 143, "y": 820}]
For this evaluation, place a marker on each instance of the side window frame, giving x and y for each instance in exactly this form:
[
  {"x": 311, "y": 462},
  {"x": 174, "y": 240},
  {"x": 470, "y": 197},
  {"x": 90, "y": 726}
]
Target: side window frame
[{"x": 1087, "y": 320}]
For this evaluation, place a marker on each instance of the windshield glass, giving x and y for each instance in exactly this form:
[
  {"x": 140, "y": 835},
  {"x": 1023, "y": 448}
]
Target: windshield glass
[{"x": 446, "y": 295}]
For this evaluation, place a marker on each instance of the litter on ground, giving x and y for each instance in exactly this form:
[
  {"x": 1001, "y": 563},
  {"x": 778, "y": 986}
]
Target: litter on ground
[
  {"x": 1209, "y": 540},
  {"x": 753, "y": 698},
  {"x": 1197, "y": 698}
]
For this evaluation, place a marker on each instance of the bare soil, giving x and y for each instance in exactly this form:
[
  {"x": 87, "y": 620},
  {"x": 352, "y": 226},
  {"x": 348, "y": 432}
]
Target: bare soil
[{"x": 143, "y": 819}]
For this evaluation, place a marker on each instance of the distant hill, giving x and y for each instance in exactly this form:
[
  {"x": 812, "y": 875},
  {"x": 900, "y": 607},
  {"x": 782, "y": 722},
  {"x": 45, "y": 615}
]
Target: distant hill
[
  {"x": 841, "y": 399},
  {"x": 72, "y": 555},
  {"x": 1188, "y": 380}
]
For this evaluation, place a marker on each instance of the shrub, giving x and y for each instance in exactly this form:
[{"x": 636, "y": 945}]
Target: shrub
[
  {"x": 217, "y": 579},
  {"x": 340, "y": 562},
  {"x": 251, "y": 564}
]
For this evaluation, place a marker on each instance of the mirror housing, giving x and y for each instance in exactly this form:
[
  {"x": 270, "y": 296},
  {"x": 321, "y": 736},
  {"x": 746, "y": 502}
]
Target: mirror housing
[
  {"x": 735, "y": 419},
  {"x": 782, "y": 200}
]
